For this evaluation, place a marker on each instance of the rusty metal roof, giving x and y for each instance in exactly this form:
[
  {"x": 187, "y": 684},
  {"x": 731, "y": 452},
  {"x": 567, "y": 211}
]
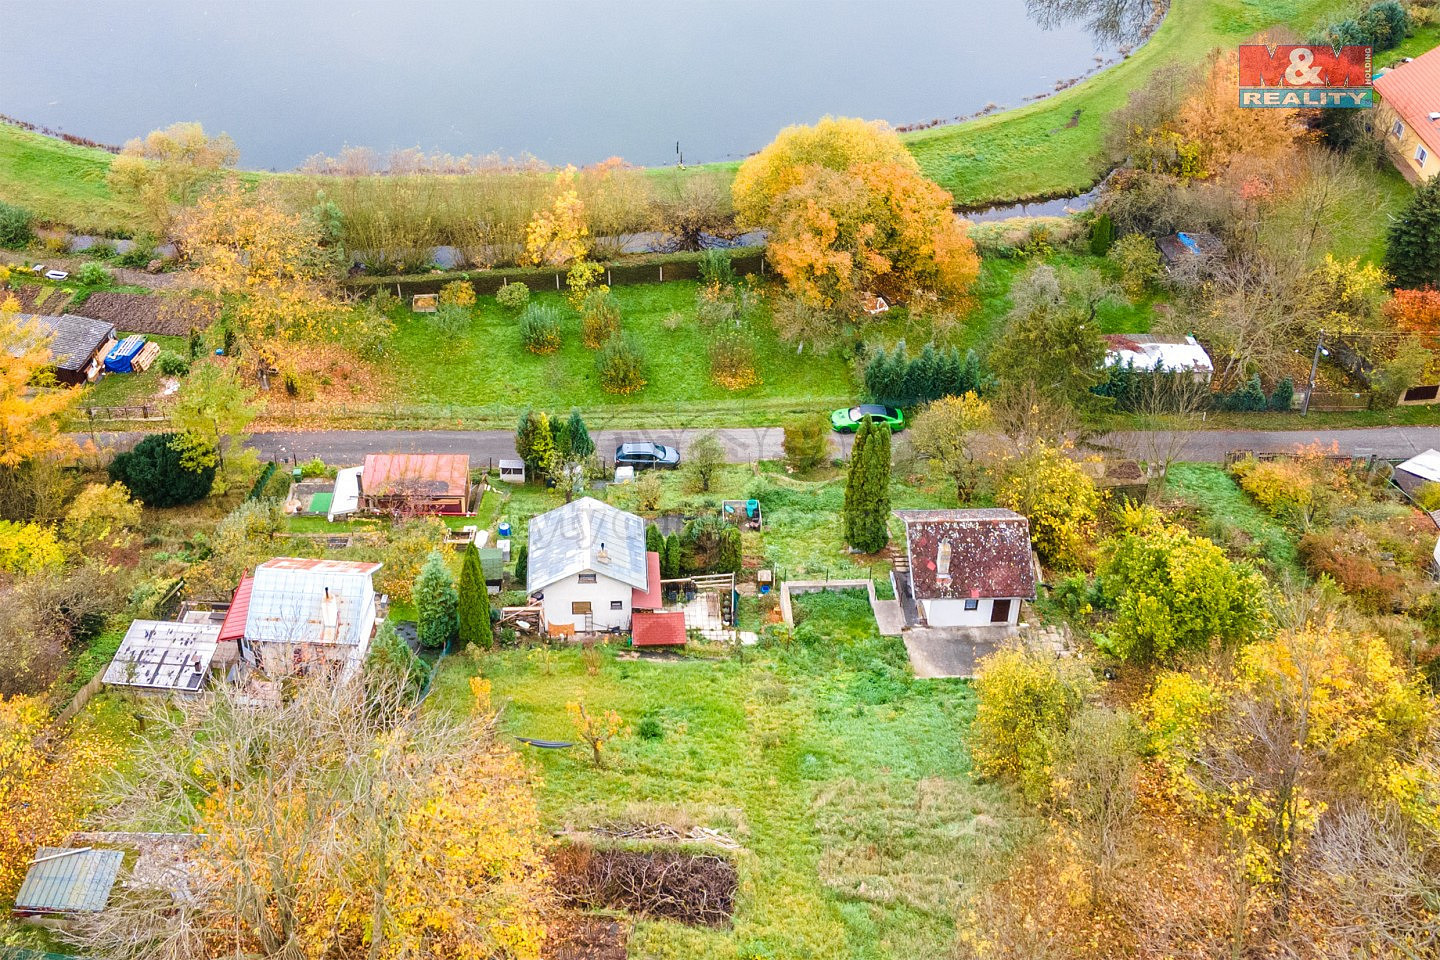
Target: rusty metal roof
[
  {"x": 989, "y": 553},
  {"x": 433, "y": 474}
]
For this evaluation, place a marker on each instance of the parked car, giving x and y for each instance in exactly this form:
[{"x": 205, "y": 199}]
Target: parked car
[
  {"x": 642, "y": 456},
  {"x": 848, "y": 420}
]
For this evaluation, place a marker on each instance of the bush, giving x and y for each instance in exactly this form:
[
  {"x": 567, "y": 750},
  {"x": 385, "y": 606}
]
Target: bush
[
  {"x": 732, "y": 358},
  {"x": 449, "y": 320},
  {"x": 457, "y": 293},
  {"x": 1282, "y": 398},
  {"x": 1139, "y": 261},
  {"x": 709, "y": 544},
  {"x": 1102, "y": 235},
  {"x": 599, "y": 318},
  {"x": 155, "y": 475},
  {"x": 15, "y": 226},
  {"x": 172, "y": 364},
  {"x": 715, "y": 268},
  {"x": 1249, "y": 397},
  {"x": 28, "y": 547},
  {"x": 1427, "y": 497},
  {"x": 94, "y": 275},
  {"x": 621, "y": 365},
  {"x": 137, "y": 257},
  {"x": 1059, "y": 500},
  {"x": 540, "y": 328},
  {"x": 807, "y": 442},
  {"x": 513, "y": 296},
  {"x": 650, "y": 729}
]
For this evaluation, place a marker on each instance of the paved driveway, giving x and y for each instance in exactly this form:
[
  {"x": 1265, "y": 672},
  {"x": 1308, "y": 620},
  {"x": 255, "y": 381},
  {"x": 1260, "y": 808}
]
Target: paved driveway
[{"x": 951, "y": 651}]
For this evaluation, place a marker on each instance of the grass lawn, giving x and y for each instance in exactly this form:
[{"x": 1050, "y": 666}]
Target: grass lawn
[
  {"x": 488, "y": 369},
  {"x": 132, "y": 389},
  {"x": 1233, "y": 520},
  {"x": 846, "y": 782}
]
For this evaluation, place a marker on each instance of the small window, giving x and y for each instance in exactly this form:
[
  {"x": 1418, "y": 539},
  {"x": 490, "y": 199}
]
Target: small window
[
  {"x": 1421, "y": 155},
  {"x": 617, "y": 604},
  {"x": 587, "y": 578},
  {"x": 942, "y": 562},
  {"x": 972, "y": 604},
  {"x": 1398, "y": 131}
]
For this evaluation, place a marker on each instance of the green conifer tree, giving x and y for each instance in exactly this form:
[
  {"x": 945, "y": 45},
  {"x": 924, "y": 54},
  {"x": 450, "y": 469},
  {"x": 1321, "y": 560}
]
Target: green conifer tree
[
  {"x": 1412, "y": 255},
  {"x": 474, "y": 602},
  {"x": 435, "y": 603},
  {"x": 867, "y": 488},
  {"x": 581, "y": 446}
]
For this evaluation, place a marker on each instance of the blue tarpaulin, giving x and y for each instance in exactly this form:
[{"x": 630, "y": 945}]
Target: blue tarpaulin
[{"x": 118, "y": 360}]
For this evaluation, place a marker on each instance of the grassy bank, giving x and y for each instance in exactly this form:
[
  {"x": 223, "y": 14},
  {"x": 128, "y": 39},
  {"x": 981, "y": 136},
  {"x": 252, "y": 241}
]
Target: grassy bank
[{"x": 1030, "y": 151}]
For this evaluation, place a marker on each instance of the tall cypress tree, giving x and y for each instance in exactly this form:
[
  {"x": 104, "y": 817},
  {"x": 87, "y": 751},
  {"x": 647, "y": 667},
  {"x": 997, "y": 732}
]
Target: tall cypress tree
[
  {"x": 435, "y": 603},
  {"x": 1412, "y": 255},
  {"x": 654, "y": 539},
  {"x": 474, "y": 607},
  {"x": 527, "y": 433},
  {"x": 867, "y": 488}
]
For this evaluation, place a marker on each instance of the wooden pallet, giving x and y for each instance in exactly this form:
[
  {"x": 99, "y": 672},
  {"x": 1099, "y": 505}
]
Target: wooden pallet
[{"x": 145, "y": 357}]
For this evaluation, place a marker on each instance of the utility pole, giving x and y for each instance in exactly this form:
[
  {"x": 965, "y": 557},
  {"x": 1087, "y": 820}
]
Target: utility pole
[{"x": 1314, "y": 368}]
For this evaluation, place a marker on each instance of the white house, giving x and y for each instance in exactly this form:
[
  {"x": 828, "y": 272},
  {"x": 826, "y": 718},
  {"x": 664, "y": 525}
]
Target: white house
[
  {"x": 969, "y": 568},
  {"x": 299, "y": 614},
  {"x": 1147, "y": 353},
  {"x": 587, "y": 564}
]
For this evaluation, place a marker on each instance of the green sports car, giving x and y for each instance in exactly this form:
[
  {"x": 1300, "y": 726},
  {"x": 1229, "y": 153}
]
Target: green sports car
[{"x": 848, "y": 420}]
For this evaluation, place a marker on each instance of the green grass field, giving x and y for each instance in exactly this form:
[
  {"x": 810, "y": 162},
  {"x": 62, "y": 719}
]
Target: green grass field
[
  {"x": 489, "y": 366},
  {"x": 846, "y": 783},
  {"x": 1233, "y": 520}
]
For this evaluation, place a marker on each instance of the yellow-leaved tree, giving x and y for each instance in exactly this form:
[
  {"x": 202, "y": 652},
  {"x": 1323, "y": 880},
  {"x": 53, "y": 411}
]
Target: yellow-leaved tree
[
  {"x": 559, "y": 234},
  {"x": 268, "y": 262},
  {"x": 849, "y": 212},
  {"x": 167, "y": 169},
  {"x": 369, "y": 830}
]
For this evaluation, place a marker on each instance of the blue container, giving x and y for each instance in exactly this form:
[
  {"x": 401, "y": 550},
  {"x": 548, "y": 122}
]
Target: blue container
[{"x": 504, "y": 532}]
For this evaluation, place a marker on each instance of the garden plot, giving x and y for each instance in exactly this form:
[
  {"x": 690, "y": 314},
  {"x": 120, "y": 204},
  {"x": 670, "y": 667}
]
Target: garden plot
[
  {"x": 42, "y": 299},
  {"x": 151, "y": 313}
]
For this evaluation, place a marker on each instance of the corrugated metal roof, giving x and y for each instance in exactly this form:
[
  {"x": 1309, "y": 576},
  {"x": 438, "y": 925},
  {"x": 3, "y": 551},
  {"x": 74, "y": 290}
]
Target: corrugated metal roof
[
  {"x": 73, "y": 339},
  {"x": 649, "y": 599},
  {"x": 234, "y": 626},
  {"x": 163, "y": 655},
  {"x": 989, "y": 553},
  {"x": 430, "y": 474},
  {"x": 1145, "y": 351},
  {"x": 649, "y": 629},
  {"x": 61, "y": 880},
  {"x": 586, "y": 535},
  {"x": 288, "y": 594},
  {"x": 1413, "y": 91}
]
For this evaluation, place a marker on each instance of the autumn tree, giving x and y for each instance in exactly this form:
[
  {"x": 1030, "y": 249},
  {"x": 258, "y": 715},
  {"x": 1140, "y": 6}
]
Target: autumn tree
[
  {"x": 101, "y": 515},
  {"x": 866, "y": 512},
  {"x": 704, "y": 459},
  {"x": 1095, "y": 786},
  {"x": 948, "y": 434},
  {"x": 559, "y": 234},
  {"x": 210, "y": 418},
  {"x": 270, "y": 263},
  {"x": 369, "y": 832},
  {"x": 168, "y": 169},
  {"x": 1052, "y": 339},
  {"x": 32, "y": 410},
  {"x": 848, "y": 210},
  {"x": 595, "y": 728},
  {"x": 1058, "y": 498},
  {"x": 1176, "y": 593},
  {"x": 806, "y": 442}
]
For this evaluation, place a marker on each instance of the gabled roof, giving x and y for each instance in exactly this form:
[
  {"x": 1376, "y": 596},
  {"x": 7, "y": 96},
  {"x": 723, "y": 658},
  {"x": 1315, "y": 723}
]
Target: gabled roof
[
  {"x": 289, "y": 596},
  {"x": 73, "y": 339},
  {"x": 62, "y": 880},
  {"x": 649, "y": 629},
  {"x": 1413, "y": 91},
  {"x": 1146, "y": 351},
  {"x": 989, "y": 554},
  {"x": 234, "y": 626},
  {"x": 586, "y": 535},
  {"x": 419, "y": 474},
  {"x": 649, "y": 598}
]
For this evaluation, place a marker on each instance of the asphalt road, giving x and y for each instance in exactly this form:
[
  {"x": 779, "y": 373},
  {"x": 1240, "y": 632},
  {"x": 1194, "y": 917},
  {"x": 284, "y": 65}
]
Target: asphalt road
[{"x": 745, "y": 444}]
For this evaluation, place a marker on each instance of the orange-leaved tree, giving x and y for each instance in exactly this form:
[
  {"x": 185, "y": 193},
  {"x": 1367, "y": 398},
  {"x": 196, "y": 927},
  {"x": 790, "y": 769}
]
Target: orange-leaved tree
[
  {"x": 31, "y": 408},
  {"x": 166, "y": 170},
  {"x": 848, "y": 212}
]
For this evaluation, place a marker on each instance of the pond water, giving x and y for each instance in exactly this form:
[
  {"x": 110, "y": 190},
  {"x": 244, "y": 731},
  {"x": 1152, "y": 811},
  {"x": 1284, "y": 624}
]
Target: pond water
[{"x": 567, "y": 81}]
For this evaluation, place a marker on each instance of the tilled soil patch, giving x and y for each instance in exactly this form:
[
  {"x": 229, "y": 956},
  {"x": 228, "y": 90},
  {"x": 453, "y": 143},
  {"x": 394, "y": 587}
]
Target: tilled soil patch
[
  {"x": 174, "y": 316},
  {"x": 698, "y": 889},
  {"x": 40, "y": 299}
]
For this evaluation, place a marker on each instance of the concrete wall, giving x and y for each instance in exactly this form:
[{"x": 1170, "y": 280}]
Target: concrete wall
[
  {"x": 605, "y": 590},
  {"x": 952, "y": 613}
]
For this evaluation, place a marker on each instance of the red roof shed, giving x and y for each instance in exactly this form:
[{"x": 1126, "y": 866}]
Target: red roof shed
[
  {"x": 657, "y": 629},
  {"x": 649, "y": 599}
]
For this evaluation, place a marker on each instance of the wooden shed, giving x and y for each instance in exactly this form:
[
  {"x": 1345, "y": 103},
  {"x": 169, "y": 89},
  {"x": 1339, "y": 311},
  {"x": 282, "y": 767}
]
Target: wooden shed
[{"x": 416, "y": 482}]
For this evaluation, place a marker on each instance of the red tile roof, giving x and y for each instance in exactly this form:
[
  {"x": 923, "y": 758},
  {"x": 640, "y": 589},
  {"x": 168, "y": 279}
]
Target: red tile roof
[
  {"x": 437, "y": 474},
  {"x": 657, "y": 629},
  {"x": 649, "y": 599},
  {"x": 233, "y": 627},
  {"x": 1413, "y": 91},
  {"x": 989, "y": 553}
]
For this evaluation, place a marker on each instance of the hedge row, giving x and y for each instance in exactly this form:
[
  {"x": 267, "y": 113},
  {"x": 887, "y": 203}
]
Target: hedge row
[{"x": 644, "y": 268}]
